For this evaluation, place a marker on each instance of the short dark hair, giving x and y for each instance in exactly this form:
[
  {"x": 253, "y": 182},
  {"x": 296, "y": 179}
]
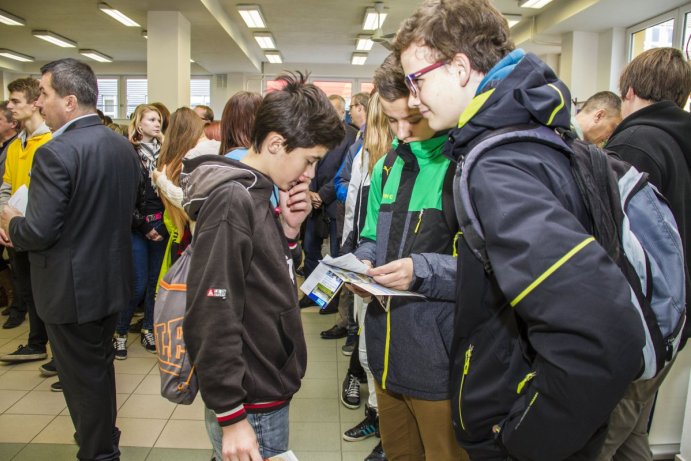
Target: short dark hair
[
  {"x": 28, "y": 86},
  {"x": 472, "y": 27},
  {"x": 237, "y": 121},
  {"x": 72, "y": 77},
  {"x": 208, "y": 113},
  {"x": 660, "y": 74},
  {"x": 603, "y": 100},
  {"x": 301, "y": 113},
  {"x": 389, "y": 79},
  {"x": 6, "y": 112}
]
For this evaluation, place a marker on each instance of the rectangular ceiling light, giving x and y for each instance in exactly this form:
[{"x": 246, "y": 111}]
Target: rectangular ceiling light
[
  {"x": 359, "y": 59},
  {"x": 513, "y": 19},
  {"x": 96, "y": 56},
  {"x": 54, "y": 38},
  {"x": 533, "y": 3},
  {"x": 16, "y": 56},
  {"x": 373, "y": 20},
  {"x": 10, "y": 19},
  {"x": 117, "y": 15},
  {"x": 265, "y": 40},
  {"x": 252, "y": 16},
  {"x": 364, "y": 43},
  {"x": 274, "y": 57}
]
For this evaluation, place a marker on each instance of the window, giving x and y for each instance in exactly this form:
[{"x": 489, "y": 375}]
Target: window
[
  {"x": 108, "y": 96},
  {"x": 344, "y": 89},
  {"x": 273, "y": 85},
  {"x": 137, "y": 93},
  {"x": 200, "y": 91},
  {"x": 655, "y": 36},
  {"x": 366, "y": 87}
]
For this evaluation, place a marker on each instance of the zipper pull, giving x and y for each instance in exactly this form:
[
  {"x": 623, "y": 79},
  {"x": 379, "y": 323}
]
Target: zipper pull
[
  {"x": 468, "y": 354},
  {"x": 419, "y": 221}
]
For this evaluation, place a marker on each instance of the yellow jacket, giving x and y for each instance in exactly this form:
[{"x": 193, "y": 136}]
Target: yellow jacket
[{"x": 21, "y": 158}]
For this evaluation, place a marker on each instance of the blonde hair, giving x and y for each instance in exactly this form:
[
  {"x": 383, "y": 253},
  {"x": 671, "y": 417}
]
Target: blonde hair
[
  {"x": 135, "y": 136},
  {"x": 378, "y": 136},
  {"x": 184, "y": 132}
]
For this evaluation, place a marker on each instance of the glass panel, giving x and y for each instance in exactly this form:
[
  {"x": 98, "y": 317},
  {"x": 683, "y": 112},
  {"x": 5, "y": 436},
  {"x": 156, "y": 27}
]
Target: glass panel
[
  {"x": 273, "y": 85},
  {"x": 367, "y": 87},
  {"x": 200, "y": 92},
  {"x": 137, "y": 93},
  {"x": 655, "y": 36},
  {"x": 687, "y": 47},
  {"x": 107, "y": 100},
  {"x": 344, "y": 89}
]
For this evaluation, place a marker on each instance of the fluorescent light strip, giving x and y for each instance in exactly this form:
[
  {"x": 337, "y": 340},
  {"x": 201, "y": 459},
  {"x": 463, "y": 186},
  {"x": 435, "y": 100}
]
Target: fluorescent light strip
[
  {"x": 96, "y": 56},
  {"x": 364, "y": 43},
  {"x": 358, "y": 59},
  {"x": 534, "y": 3},
  {"x": 117, "y": 15},
  {"x": 10, "y": 19},
  {"x": 373, "y": 20},
  {"x": 16, "y": 56},
  {"x": 252, "y": 16},
  {"x": 54, "y": 38},
  {"x": 513, "y": 19},
  {"x": 265, "y": 40},
  {"x": 274, "y": 57}
]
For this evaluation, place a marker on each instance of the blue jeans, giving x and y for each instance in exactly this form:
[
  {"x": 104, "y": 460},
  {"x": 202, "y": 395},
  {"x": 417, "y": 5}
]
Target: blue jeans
[
  {"x": 312, "y": 243},
  {"x": 147, "y": 257},
  {"x": 271, "y": 430}
]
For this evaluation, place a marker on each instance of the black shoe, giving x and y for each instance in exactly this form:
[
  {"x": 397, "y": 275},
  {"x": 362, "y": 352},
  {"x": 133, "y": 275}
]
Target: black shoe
[
  {"x": 377, "y": 454},
  {"x": 349, "y": 346},
  {"x": 136, "y": 326},
  {"x": 350, "y": 392},
  {"x": 25, "y": 354},
  {"x": 330, "y": 308},
  {"x": 6, "y": 311},
  {"x": 14, "y": 320},
  {"x": 306, "y": 301},
  {"x": 56, "y": 387},
  {"x": 300, "y": 271},
  {"x": 48, "y": 369},
  {"x": 335, "y": 332},
  {"x": 365, "y": 428}
]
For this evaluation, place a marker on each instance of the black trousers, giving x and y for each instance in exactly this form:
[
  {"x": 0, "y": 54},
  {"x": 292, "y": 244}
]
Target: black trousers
[
  {"x": 84, "y": 357},
  {"x": 38, "y": 337}
]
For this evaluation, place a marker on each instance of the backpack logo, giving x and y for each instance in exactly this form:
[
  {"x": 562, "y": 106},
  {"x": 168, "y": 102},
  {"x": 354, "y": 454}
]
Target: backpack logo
[{"x": 216, "y": 293}]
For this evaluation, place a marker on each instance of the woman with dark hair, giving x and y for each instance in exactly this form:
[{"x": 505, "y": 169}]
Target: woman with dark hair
[
  {"x": 149, "y": 235},
  {"x": 237, "y": 121}
]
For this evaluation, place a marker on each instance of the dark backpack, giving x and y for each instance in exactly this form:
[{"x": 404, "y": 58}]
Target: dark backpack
[
  {"x": 178, "y": 379},
  {"x": 630, "y": 220}
]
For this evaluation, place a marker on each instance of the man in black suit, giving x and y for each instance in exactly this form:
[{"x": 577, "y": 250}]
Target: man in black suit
[{"x": 77, "y": 232}]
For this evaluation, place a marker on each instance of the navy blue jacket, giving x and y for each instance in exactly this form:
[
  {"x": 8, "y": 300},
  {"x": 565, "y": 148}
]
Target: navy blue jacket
[{"x": 546, "y": 343}]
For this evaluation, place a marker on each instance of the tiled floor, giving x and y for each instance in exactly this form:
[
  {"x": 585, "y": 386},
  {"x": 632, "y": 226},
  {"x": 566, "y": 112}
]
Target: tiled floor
[{"x": 35, "y": 423}]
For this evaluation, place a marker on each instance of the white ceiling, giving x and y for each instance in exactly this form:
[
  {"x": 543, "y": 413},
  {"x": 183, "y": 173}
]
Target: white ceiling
[{"x": 318, "y": 32}]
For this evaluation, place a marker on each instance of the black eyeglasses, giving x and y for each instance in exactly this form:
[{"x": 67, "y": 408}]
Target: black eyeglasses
[{"x": 411, "y": 79}]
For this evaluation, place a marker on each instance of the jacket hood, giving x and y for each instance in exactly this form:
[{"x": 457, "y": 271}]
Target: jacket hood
[
  {"x": 202, "y": 175},
  {"x": 530, "y": 93},
  {"x": 666, "y": 116}
]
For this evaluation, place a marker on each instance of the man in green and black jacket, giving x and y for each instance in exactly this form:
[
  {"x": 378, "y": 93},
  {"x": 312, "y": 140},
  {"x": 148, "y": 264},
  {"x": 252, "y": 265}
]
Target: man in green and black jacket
[{"x": 410, "y": 244}]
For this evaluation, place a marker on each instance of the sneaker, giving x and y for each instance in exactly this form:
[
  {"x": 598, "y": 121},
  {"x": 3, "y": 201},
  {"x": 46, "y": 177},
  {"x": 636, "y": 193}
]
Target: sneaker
[
  {"x": 377, "y": 454},
  {"x": 56, "y": 386},
  {"x": 349, "y": 346},
  {"x": 14, "y": 320},
  {"x": 120, "y": 346},
  {"x": 25, "y": 354},
  {"x": 48, "y": 369},
  {"x": 350, "y": 392},
  {"x": 365, "y": 428},
  {"x": 148, "y": 342}
]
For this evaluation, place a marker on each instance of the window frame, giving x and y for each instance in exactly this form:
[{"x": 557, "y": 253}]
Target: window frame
[{"x": 678, "y": 15}]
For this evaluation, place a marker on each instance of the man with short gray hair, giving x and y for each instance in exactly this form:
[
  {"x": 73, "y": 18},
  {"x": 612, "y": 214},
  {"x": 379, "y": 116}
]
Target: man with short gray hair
[
  {"x": 598, "y": 117},
  {"x": 84, "y": 186}
]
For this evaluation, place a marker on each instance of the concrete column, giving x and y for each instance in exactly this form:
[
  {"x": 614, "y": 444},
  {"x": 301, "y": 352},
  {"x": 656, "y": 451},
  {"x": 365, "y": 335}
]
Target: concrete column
[
  {"x": 168, "y": 58},
  {"x": 579, "y": 63},
  {"x": 611, "y": 58}
]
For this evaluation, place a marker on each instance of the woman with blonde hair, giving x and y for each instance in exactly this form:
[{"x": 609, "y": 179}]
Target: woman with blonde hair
[
  {"x": 185, "y": 139},
  {"x": 149, "y": 235}
]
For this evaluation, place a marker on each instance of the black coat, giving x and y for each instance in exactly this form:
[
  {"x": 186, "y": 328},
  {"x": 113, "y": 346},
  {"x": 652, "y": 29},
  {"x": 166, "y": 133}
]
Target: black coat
[{"x": 77, "y": 226}]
